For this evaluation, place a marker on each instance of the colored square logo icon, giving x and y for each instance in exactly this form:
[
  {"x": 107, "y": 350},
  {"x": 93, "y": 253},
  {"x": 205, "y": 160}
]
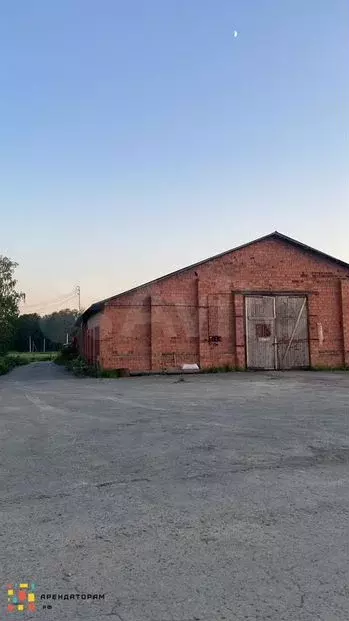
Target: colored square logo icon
[{"x": 21, "y": 597}]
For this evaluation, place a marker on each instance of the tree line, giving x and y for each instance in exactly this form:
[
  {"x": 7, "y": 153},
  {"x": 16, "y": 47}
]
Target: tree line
[
  {"x": 29, "y": 332},
  {"x": 33, "y": 332}
]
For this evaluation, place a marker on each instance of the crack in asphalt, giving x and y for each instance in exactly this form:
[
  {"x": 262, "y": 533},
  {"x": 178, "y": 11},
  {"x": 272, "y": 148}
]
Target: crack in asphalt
[
  {"x": 18, "y": 499},
  {"x": 109, "y": 483}
]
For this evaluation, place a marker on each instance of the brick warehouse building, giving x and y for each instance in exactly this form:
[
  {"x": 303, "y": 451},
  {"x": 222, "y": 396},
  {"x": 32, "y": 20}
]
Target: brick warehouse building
[{"x": 273, "y": 303}]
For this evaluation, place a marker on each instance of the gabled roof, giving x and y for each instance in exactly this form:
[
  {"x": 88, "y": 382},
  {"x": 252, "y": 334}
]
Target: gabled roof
[{"x": 98, "y": 306}]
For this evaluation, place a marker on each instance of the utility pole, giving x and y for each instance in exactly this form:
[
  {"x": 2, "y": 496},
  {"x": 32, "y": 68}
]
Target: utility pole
[
  {"x": 77, "y": 290},
  {"x": 44, "y": 344},
  {"x": 30, "y": 344}
]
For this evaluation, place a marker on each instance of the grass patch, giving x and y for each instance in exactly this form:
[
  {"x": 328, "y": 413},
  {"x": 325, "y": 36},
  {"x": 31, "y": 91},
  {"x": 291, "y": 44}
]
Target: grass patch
[
  {"x": 16, "y": 359},
  {"x": 227, "y": 368},
  {"x": 76, "y": 364},
  {"x": 9, "y": 362},
  {"x": 79, "y": 367},
  {"x": 114, "y": 373},
  {"x": 33, "y": 356},
  {"x": 67, "y": 355},
  {"x": 329, "y": 369}
]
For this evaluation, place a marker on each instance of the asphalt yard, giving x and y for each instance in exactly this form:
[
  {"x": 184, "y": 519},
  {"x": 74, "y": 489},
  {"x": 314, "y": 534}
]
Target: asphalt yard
[{"x": 217, "y": 497}]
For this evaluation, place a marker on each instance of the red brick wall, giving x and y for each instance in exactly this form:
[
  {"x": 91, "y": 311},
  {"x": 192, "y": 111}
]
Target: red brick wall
[
  {"x": 345, "y": 320},
  {"x": 126, "y": 333},
  {"x": 172, "y": 322}
]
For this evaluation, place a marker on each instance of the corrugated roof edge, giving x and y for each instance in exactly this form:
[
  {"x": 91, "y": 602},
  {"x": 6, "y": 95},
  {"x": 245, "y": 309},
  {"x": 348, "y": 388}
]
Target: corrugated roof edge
[{"x": 98, "y": 306}]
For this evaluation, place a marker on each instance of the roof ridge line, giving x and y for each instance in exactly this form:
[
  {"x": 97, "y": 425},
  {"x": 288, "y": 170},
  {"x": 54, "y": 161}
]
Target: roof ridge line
[{"x": 98, "y": 306}]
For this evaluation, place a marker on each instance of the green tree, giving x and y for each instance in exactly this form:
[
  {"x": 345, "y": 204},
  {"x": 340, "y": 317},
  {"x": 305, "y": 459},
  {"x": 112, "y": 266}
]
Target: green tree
[
  {"x": 27, "y": 330},
  {"x": 9, "y": 302},
  {"x": 57, "y": 325}
]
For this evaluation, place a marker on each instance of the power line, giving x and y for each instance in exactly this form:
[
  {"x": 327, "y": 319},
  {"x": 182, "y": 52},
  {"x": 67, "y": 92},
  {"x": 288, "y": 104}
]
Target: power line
[
  {"x": 54, "y": 301},
  {"x": 59, "y": 306},
  {"x": 45, "y": 307},
  {"x": 57, "y": 301}
]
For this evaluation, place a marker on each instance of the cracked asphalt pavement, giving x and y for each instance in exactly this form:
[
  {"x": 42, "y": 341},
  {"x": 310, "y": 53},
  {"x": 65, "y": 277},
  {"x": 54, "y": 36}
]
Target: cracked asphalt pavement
[{"x": 223, "y": 497}]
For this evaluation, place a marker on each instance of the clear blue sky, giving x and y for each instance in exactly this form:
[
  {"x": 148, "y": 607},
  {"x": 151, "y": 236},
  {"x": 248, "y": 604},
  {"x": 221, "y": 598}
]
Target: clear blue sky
[{"x": 139, "y": 136}]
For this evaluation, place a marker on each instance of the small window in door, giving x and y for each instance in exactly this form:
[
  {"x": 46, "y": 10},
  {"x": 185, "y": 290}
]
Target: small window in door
[{"x": 263, "y": 331}]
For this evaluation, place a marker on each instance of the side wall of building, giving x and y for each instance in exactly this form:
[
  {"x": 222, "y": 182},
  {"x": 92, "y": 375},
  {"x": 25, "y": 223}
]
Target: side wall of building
[
  {"x": 89, "y": 339},
  {"x": 198, "y": 316}
]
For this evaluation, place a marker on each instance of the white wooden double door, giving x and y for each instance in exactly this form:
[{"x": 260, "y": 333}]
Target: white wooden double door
[{"x": 277, "y": 331}]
